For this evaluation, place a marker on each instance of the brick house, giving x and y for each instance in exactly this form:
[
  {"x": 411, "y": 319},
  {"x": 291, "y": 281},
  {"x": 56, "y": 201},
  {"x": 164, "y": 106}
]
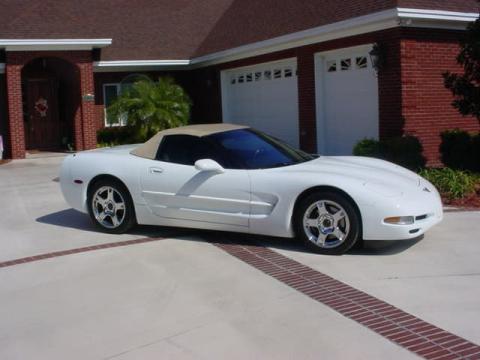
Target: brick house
[{"x": 303, "y": 71}]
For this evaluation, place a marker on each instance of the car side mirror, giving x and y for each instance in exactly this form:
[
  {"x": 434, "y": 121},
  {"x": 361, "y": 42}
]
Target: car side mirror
[{"x": 209, "y": 165}]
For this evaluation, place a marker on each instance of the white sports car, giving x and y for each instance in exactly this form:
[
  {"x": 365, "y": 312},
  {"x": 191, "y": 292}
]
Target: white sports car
[{"x": 234, "y": 178}]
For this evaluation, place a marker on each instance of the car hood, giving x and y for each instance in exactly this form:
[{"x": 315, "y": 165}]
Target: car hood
[{"x": 366, "y": 170}]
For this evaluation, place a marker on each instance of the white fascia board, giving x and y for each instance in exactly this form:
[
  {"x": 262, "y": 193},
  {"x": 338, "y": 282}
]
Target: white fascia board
[
  {"x": 53, "y": 44},
  {"x": 2, "y": 68},
  {"x": 436, "y": 15},
  {"x": 141, "y": 63},
  {"x": 126, "y": 65},
  {"x": 360, "y": 25}
]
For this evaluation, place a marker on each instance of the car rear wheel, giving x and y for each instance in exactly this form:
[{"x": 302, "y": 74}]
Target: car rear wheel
[
  {"x": 111, "y": 207},
  {"x": 327, "y": 222}
]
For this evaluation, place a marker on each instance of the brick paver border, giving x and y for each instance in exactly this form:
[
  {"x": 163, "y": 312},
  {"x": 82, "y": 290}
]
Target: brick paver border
[
  {"x": 406, "y": 330},
  {"x": 398, "y": 326},
  {"x": 76, "y": 251}
]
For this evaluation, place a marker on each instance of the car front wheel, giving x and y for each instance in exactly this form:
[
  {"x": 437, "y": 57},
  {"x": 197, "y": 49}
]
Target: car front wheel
[
  {"x": 111, "y": 207},
  {"x": 327, "y": 222}
]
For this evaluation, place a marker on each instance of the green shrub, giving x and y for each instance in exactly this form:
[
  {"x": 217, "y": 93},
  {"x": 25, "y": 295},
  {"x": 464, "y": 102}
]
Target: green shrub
[
  {"x": 112, "y": 136},
  {"x": 150, "y": 107},
  {"x": 405, "y": 151},
  {"x": 454, "y": 184},
  {"x": 368, "y": 147},
  {"x": 476, "y": 153},
  {"x": 456, "y": 149}
]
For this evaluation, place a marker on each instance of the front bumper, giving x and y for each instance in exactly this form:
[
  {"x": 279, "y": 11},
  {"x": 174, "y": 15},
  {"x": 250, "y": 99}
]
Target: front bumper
[{"x": 426, "y": 207}]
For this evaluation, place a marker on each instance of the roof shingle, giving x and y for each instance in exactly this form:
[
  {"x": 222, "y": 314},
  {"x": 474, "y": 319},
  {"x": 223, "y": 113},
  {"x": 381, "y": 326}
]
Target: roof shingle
[{"x": 182, "y": 29}]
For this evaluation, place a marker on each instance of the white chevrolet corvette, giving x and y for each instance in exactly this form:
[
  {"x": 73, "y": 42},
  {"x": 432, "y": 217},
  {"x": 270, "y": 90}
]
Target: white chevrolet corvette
[{"x": 233, "y": 178}]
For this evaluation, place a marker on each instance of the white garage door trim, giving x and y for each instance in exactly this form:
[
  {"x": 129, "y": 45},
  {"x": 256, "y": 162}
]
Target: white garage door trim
[
  {"x": 284, "y": 69},
  {"x": 320, "y": 67}
]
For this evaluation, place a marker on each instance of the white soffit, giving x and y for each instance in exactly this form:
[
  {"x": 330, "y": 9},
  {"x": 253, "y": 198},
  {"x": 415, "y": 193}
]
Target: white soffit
[{"x": 52, "y": 44}]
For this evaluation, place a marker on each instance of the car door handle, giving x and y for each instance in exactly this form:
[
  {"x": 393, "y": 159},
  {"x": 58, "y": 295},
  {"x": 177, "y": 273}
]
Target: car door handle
[{"x": 155, "y": 170}]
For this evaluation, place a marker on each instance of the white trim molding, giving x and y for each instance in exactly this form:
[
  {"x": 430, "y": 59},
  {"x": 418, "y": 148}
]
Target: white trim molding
[
  {"x": 2, "y": 68},
  {"x": 126, "y": 65},
  {"x": 436, "y": 15},
  {"x": 53, "y": 44}
]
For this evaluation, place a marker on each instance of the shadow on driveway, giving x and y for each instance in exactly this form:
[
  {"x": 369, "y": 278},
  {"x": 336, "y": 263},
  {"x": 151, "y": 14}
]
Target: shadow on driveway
[{"x": 71, "y": 218}]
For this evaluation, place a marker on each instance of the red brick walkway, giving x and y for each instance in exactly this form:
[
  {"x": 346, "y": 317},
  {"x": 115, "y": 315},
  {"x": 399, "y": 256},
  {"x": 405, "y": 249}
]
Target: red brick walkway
[
  {"x": 76, "y": 251},
  {"x": 408, "y": 331}
]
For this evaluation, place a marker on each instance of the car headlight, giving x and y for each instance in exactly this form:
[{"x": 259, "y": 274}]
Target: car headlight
[{"x": 400, "y": 220}]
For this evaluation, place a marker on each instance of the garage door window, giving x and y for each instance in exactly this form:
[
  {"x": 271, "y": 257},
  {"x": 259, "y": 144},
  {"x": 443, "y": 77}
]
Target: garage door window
[
  {"x": 277, "y": 73},
  {"x": 361, "y": 62},
  {"x": 346, "y": 64},
  {"x": 332, "y": 65},
  {"x": 355, "y": 63}
]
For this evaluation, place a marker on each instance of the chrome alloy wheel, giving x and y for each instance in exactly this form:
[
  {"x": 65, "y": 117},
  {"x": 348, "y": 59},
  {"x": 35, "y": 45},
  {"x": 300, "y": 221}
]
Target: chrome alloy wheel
[
  {"x": 108, "y": 207},
  {"x": 326, "y": 224}
]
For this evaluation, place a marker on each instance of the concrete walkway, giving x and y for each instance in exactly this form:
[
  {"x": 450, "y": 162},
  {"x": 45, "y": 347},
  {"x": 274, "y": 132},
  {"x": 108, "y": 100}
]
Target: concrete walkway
[{"x": 181, "y": 297}]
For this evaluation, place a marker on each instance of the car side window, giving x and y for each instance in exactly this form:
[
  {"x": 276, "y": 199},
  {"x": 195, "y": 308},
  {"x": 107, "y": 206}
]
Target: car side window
[
  {"x": 176, "y": 149},
  {"x": 186, "y": 150}
]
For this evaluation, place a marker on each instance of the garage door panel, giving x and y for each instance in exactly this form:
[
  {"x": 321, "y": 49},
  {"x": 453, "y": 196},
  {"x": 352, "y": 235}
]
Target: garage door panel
[
  {"x": 347, "y": 98},
  {"x": 264, "y": 97}
]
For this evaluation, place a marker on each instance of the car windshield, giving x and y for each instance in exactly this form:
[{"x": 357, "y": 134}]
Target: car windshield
[{"x": 251, "y": 149}]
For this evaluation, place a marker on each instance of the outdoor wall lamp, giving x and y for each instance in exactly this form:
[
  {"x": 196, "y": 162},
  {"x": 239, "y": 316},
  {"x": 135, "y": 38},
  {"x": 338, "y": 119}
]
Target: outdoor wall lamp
[{"x": 377, "y": 56}]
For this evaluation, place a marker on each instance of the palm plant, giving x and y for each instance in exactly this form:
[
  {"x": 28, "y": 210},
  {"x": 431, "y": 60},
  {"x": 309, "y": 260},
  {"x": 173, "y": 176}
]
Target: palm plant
[{"x": 150, "y": 107}]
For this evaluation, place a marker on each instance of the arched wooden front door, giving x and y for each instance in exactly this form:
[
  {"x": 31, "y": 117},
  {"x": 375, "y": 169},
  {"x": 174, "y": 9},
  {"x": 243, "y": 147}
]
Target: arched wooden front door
[{"x": 42, "y": 126}]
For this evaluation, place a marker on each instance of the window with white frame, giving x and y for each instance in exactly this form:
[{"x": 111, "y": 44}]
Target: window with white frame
[{"x": 110, "y": 93}]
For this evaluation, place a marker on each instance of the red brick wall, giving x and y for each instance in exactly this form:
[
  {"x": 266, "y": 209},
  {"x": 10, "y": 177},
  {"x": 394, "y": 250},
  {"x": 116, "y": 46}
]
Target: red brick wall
[
  {"x": 85, "y": 137},
  {"x": 16, "y": 136},
  {"x": 4, "y": 115},
  {"x": 412, "y": 97},
  {"x": 388, "y": 78},
  {"x": 88, "y": 126},
  {"x": 426, "y": 104}
]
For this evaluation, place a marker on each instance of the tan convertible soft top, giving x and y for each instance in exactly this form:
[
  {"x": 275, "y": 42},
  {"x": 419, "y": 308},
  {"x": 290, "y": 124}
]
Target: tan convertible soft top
[{"x": 149, "y": 149}]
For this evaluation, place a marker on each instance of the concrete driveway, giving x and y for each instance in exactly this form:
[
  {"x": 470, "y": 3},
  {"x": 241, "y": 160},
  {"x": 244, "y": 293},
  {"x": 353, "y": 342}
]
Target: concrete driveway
[{"x": 69, "y": 292}]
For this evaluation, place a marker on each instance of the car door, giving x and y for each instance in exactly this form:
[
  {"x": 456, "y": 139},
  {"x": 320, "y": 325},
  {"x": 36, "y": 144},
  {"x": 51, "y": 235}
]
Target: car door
[{"x": 173, "y": 188}]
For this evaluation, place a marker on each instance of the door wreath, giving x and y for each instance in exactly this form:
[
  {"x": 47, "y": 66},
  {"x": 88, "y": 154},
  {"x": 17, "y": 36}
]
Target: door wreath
[{"x": 41, "y": 106}]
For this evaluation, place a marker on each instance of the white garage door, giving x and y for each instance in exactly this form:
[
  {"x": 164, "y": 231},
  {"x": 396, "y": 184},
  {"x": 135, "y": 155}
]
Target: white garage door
[
  {"x": 264, "y": 97},
  {"x": 347, "y": 100}
]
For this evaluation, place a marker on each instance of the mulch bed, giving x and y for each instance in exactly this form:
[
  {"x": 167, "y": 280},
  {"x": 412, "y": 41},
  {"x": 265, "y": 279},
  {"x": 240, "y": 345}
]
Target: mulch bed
[
  {"x": 2, "y": 162},
  {"x": 471, "y": 201}
]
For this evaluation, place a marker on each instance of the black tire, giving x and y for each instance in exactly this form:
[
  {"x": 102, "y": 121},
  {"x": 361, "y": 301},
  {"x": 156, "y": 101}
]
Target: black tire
[
  {"x": 127, "y": 216},
  {"x": 352, "y": 218}
]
